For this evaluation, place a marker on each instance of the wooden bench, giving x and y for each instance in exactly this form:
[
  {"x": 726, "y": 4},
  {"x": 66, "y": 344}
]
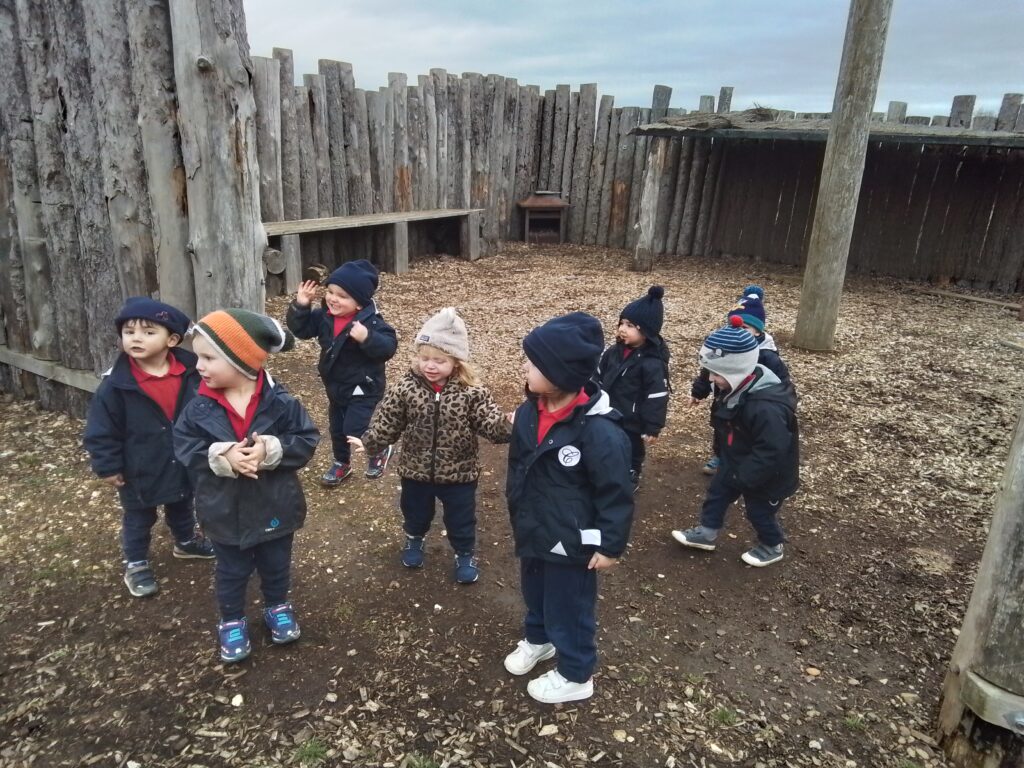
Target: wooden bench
[{"x": 396, "y": 255}]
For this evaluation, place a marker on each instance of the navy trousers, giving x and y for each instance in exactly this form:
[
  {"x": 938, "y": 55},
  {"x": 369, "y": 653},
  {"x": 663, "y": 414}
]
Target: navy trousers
[
  {"x": 561, "y": 603},
  {"x": 639, "y": 451},
  {"x": 349, "y": 417},
  {"x": 271, "y": 559},
  {"x": 763, "y": 514},
  {"x": 418, "y": 503},
  {"x": 137, "y": 527}
]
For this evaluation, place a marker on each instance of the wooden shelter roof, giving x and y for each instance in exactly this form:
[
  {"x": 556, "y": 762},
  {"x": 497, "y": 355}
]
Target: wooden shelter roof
[{"x": 764, "y": 123}]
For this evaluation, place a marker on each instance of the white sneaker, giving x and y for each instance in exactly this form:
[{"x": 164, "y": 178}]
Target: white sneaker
[
  {"x": 526, "y": 656},
  {"x": 552, "y": 688}
]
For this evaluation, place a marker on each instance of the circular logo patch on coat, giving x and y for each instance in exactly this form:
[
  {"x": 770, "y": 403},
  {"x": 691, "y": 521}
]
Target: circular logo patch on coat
[{"x": 569, "y": 455}]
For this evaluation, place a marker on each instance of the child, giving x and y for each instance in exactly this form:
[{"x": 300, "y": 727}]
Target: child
[
  {"x": 355, "y": 343},
  {"x": 570, "y": 500},
  {"x": 634, "y": 373},
  {"x": 438, "y": 409},
  {"x": 243, "y": 439},
  {"x": 754, "y": 414},
  {"x": 128, "y": 435},
  {"x": 748, "y": 313}
]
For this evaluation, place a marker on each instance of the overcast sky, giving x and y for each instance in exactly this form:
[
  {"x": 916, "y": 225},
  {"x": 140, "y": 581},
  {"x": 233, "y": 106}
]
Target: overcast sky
[{"x": 782, "y": 53}]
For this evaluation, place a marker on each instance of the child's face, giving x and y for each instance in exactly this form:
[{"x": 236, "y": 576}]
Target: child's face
[
  {"x": 435, "y": 366},
  {"x": 629, "y": 334},
  {"x": 339, "y": 302},
  {"x": 217, "y": 372},
  {"x": 536, "y": 382},
  {"x": 756, "y": 333},
  {"x": 145, "y": 341},
  {"x": 720, "y": 382}
]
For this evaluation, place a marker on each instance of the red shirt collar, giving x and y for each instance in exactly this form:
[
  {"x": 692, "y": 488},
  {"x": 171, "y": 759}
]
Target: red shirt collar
[
  {"x": 547, "y": 419},
  {"x": 239, "y": 423},
  {"x": 175, "y": 368}
]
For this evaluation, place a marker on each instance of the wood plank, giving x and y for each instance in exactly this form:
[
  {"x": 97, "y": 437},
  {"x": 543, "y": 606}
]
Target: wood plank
[
  {"x": 637, "y": 185},
  {"x": 896, "y": 112},
  {"x": 310, "y": 205},
  {"x": 277, "y": 228},
  {"x": 429, "y": 190},
  {"x": 707, "y": 104},
  {"x": 666, "y": 194},
  {"x": 711, "y": 247},
  {"x": 357, "y": 155},
  {"x": 330, "y": 70},
  {"x": 380, "y": 149},
  {"x": 571, "y": 131},
  {"x": 440, "y": 81},
  {"x": 403, "y": 171},
  {"x": 469, "y": 236},
  {"x": 961, "y": 112},
  {"x": 316, "y": 89},
  {"x": 526, "y": 135},
  {"x": 477, "y": 141},
  {"x": 291, "y": 184},
  {"x": 494, "y": 106},
  {"x": 558, "y": 137},
  {"x": 659, "y": 103},
  {"x": 582, "y": 158},
  {"x": 724, "y": 99},
  {"x": 546, "y": 136},
  {"x": 465, "y": 138},
  {"x": 509, "y": 150},
  {"x": 453, "y": 178},
  {"x": 623, "y": 179},
  {"x": 644, "y": 255},
  {"x": 707, "y": 199},
  {"x": 51, "y": 371},
  {"x": 1008, "y": 242},
  {"x": 1008, "y": 109},
  {"x": 683, "y": 163},
  {"x": 595, "y": 180},
  {"x": 694, "y": 194},
  {"x": 608, "y": 183},
  {"x": 266, "y": 91}
]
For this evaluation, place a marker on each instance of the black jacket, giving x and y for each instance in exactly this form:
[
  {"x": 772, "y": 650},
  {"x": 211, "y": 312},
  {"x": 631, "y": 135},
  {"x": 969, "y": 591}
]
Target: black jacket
[
  {"x": 759, "y": 438},
  {"x": 346, "y": 364},
  {"x": 126, "y": 432},
  {"x": 571, "y": 495},
  {"x": 637, "y": 385},
  {"x": 241, "y": 511}
]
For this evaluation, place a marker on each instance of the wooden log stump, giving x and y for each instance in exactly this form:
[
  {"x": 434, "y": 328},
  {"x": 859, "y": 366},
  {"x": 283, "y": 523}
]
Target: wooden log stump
[
  {"x": 330, "y": 71},
  {"x": 643, "y": 256},
  {"x": 595, "y": 180}
]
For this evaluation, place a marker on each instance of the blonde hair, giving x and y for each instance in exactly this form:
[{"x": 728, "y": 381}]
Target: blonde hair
[{"x": 463, "y": 372}]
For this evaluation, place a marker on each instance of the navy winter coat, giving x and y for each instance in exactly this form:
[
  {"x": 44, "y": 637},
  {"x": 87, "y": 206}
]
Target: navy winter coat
[
  {"x": 240, "y": 511},
  {"x": 346, "y": 364},
  {"x": 637, "y": 385},
  {"x": 759, "y": 439},
  {"x": 127, "y": 433},
  {"x": 571, "y": 495}
]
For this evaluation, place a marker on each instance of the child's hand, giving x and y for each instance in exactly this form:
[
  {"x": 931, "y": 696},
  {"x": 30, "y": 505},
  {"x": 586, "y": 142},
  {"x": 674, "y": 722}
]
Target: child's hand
[
  {"x": 257, "y": 450},
  {"x": 649, "y": 439},
  {"x": 358, "y": 331},
  {"x": 511, "y": 416},
  {"x": 356, "y": 443},
  {"x": 115, "y": 480},
  {"x": 601, "y": 562},
  {"x": 695, "y": 401},
  {"x": 242, "y": 462},
  {"x": 306, "y": 293}
]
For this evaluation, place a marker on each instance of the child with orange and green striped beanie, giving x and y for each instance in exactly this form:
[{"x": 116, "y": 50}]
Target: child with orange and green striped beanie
[{"x": 243, "y": 439}]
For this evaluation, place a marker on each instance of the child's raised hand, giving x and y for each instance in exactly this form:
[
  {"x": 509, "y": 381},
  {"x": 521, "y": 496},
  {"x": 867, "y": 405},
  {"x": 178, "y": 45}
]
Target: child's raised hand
[
  {"x": 358, "y": 331},
  {"x": 306, "y": 293},
  {"x": 115, "y": 480},
  {"x": 356, "y": 443},
  {"x": 511, "y": 416},
  {"x": 257, "y": 450},
  {"x": 601, "y": 562}
]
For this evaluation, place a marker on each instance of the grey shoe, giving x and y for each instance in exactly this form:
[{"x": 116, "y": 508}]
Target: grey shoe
[
  {"x": 762, "y": 555},
  {"x": 140, "y": 580},
  {"x": 698, "y": 537}
]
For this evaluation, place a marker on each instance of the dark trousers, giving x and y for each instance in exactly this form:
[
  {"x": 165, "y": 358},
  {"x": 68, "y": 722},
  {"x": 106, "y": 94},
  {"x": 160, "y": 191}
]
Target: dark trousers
[
  {"x": 418, "y": 504},
  {"x": 349, "y": 417},
  {"x": 561, "y": 603},
  {"x": 639, "y": 451},
  {"x": 137, "y": 527},
  {"x": 272, "y": 559},
  {"x": 762, "y": 513}
]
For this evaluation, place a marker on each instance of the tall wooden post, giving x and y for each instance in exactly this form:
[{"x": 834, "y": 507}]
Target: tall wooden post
[
  {"x": 981, "y": 721},
  {"x": 842, "y": 169}
]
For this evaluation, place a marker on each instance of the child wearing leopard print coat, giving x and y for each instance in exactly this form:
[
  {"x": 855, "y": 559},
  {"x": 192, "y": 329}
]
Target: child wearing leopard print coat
[{"x": 438, "y": 409}]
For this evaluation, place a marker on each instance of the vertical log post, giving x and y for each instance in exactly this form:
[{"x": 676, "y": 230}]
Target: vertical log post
[
  {"x": 291, "y": 184},
  {"x": 725, "y": 99},
  {"x": 842, "y": 169},
  {"x": 961, "y": 113},
  {"x": 331, "y": 72},
  {"x": 212, "y": 72},
  {"x": 598, "y": 158},
  {"x": 403, "y": 173},
  {"x": 578, "y": 191},
  {"x": 643, "y": 256},
  {"x": 1008, "y": 110}
]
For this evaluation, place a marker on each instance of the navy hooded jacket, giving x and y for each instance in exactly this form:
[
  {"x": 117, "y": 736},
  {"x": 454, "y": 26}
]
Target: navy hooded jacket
[
  {"x": 347, "y": 367},
  {"x": 127, "y": 433},
  {"x": 241, "y": 511},
  {"x": 637, "y": 385},
  {"x": 571, "y": 495}
]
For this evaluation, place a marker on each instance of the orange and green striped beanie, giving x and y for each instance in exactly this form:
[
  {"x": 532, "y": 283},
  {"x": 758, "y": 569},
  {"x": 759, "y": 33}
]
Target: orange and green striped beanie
[{"x": 244, "y": 338}]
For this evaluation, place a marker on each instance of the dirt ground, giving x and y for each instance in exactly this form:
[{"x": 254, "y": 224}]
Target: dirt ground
[{"x": 833, "y": 657}]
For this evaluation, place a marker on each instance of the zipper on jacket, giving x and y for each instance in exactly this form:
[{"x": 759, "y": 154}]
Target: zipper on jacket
[{"x": 433, "y": 438}]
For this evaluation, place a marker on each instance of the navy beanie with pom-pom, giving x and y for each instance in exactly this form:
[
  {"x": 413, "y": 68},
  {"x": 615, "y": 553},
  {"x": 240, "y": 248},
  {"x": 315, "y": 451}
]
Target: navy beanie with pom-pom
[{"x": 648, "y": 312}]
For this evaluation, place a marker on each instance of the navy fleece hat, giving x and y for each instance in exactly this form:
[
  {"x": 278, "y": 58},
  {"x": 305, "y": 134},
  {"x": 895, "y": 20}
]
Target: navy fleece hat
[
  {"x": 647, "y": 313},
  {"x": 750, "y": 309},
  {"x": 359, "y": 279},
  {"x": 145, "y": 308},
  {"x": 566, "y": 349}
]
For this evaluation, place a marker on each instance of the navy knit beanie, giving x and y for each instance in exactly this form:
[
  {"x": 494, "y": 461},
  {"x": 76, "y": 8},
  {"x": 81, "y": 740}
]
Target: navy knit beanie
[
  {"x": 750, "y": 309},
  {"x": 566, "y": 349},
  {"x": 648, "y": 312},
  {"x": 359, "y": 279},
  {"x": 145, "y": 308}
]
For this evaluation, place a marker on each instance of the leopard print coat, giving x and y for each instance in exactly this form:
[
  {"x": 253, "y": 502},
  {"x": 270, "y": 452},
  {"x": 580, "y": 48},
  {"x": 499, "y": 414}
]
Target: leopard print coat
[{"x": 438, "y": 429}]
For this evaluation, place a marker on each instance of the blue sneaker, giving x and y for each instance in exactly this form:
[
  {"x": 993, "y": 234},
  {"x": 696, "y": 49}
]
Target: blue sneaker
[
  {"x": 412, "y": 552},
  {"x": 336, "y": 474},
  {"x": 376, "y": 466},
  {"x": 139, "y": 579},
  {"x": 234, "y": 640},
  {"x": 466, "y": 571},
  {"x": 711, "y": 466},
  {"x": 281, "y": 622},
  {"x": 196, "y": 548}
]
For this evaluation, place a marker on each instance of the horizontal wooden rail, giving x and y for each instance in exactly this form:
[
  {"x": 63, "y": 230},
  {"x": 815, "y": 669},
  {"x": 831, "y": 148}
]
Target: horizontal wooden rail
[
  {"x": 47, "y": 369},
  {"x": 326, "y": 224}
]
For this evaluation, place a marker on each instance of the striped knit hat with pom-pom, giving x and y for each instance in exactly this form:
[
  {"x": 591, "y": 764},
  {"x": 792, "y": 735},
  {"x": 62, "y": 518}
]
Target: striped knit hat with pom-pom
[
  {"x": 244, "y": 338},
  {"x": 731, "y": 353},
  {"x": 750, "y": 308}
]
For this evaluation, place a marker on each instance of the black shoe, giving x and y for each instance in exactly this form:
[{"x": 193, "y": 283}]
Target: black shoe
[
  {"x": 140, "y": 580},
  {"x": 376, "y": 466},
  {"x": 336, "y": 474},
  {"x": 198, "y": 548},
  {"x": 634, "y": 477}
]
